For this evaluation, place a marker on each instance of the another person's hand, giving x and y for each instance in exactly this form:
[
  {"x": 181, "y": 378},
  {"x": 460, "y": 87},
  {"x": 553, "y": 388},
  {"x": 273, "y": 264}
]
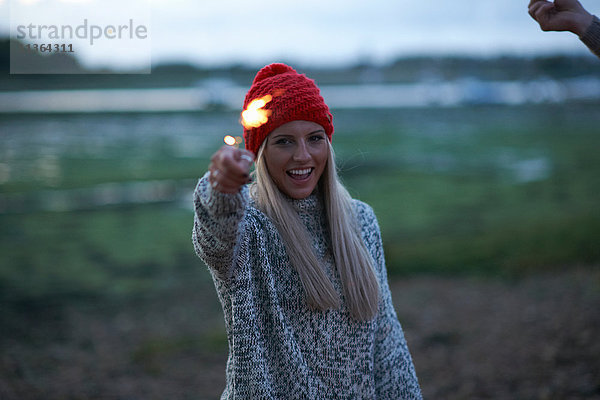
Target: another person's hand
[
  {"x": 560, "y": 15},
  {"x": 230, "y": 169}
]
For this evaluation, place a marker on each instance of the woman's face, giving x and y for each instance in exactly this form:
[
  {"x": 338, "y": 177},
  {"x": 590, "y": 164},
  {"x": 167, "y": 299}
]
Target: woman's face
[{"x": 296, "y": 155}]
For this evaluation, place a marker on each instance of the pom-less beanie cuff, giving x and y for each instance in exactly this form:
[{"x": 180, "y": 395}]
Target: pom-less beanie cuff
[{"x": 293, "y": 97}]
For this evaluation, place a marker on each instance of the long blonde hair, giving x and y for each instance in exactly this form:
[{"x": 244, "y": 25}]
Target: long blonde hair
[{"x": 352, "y": 259}]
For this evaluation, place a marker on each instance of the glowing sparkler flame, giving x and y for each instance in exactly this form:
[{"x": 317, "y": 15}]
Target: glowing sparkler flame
[
  {"x": 254, "y": 115},
  {"x": 232, "y": 141},
  {"x": 229, "y": 140}
]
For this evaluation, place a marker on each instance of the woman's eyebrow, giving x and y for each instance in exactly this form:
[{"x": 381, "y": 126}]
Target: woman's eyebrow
[
  {"x": 289, "y": 135},
  {"x": 282, "y": 135}
]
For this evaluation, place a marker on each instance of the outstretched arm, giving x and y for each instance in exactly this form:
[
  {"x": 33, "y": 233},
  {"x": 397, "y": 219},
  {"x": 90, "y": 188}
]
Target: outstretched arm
[{"x": 220, "y": 200}]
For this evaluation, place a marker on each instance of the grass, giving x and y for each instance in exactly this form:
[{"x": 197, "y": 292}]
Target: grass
[
  {"x": 459, "y": 225},
  {"x": 482, "y": 190},
  {"x": 505, "y": 191},
  {"x": 114, "y": 252}
]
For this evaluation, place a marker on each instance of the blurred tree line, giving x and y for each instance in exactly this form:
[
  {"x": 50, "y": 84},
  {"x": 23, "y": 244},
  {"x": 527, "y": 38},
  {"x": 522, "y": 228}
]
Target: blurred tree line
[{"x": 402, "y": 70}]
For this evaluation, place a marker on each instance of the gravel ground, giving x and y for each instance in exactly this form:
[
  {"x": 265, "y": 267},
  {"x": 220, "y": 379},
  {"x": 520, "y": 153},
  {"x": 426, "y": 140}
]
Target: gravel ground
[
  {"x": 536, "y": 338},
  {"x": 532, "y": 338}
]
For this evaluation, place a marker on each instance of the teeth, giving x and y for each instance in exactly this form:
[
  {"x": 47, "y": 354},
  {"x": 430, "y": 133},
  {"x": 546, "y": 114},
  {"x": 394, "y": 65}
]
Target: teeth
[{"x": 300, "y": 171}]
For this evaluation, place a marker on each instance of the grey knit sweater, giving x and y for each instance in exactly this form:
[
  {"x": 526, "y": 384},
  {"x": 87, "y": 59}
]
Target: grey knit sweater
[
  {"x": 278, "y": 347},
  {"x": 591, "y": 38}
]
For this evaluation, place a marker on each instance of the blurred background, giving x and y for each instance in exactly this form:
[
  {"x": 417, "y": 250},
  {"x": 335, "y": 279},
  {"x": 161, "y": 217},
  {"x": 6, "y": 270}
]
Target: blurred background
[{"x": 474, "y": 136}]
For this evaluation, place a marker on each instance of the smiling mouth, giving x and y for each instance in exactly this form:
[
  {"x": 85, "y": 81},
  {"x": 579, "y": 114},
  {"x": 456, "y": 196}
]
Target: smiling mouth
[{"x": 300, "y": 174}]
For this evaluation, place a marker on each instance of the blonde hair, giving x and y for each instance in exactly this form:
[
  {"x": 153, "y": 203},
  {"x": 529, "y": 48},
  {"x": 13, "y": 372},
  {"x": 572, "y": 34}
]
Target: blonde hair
[{"x": 352, "y": 259}]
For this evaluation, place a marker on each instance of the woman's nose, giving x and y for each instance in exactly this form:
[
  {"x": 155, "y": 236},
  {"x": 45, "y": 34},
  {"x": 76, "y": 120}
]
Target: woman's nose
[{"x": 301, "y": 152}]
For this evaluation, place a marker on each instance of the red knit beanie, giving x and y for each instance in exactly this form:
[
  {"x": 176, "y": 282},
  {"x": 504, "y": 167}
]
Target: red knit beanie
[{"x": 293, "y": 97}]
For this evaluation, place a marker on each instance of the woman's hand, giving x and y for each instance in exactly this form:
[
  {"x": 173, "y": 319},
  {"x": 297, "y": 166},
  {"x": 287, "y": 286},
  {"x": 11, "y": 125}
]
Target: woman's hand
[
  {"x": 560, "y": 15},
  {"x": 230, "y": 169}
]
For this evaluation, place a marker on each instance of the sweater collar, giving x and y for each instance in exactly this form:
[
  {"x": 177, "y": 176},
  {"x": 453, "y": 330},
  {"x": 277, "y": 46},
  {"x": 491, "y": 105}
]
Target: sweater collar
[{"x": 308, "y": 205}]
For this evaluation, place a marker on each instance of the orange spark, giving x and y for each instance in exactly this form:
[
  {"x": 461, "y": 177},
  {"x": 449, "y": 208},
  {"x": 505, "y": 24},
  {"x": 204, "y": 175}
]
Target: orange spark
[{"x": 254, "y": 115}]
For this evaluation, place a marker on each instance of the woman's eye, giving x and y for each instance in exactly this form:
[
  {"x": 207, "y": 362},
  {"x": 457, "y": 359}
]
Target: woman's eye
[
  {"x": 282, "y": 141},
  {"x": 316, "y": 138}
]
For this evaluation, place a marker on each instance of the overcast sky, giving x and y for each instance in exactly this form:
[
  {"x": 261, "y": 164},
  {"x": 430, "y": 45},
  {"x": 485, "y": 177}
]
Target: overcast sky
[{"x": 317, "y": 32}]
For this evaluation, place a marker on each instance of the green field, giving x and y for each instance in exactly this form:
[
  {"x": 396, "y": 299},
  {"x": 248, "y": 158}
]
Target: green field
[{"x": 487, "y": 190}]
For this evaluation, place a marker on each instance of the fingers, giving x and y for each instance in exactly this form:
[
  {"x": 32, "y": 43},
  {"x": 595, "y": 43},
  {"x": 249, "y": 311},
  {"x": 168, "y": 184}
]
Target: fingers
[
  {"x": 229, "y": 169},
  {"x": 224, "y": 183},
  {"x": 560, "y": 15},
  {"x": 243, "y": 158},
  {"x": 247, "y": 156},
  {"x": 539, "y": 9},
  {"x": 228, "y": 162},
  {"x": 545, "y": 14},
  {"x": 532, "y": 2}
]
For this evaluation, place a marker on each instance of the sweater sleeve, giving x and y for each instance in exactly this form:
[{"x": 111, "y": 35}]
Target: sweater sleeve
[
  {"x": 217, "y": 221},
  {"x": 591, "y": 37}
]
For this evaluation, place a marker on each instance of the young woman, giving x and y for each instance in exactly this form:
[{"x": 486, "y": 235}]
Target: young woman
[{"x": 298, "y": 265}]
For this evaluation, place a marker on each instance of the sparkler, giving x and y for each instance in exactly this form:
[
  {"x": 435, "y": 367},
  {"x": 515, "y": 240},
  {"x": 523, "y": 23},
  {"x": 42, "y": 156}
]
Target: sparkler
[
  {"x": 232, "y": 141},
  {"x": 235, "y": 142},
  {"x": 254, "y": 116}
]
